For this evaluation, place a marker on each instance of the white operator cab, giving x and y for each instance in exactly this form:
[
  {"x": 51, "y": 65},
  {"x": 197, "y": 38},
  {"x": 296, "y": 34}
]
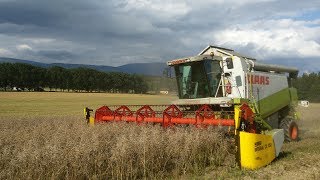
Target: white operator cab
[
  {"x": 218, "y": 75},
  {"x": 215, "y": 76}
]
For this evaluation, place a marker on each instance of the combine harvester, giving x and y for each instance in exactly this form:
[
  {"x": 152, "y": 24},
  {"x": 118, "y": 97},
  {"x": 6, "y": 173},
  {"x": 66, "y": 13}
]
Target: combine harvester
[{"x": 220, "y": 87}]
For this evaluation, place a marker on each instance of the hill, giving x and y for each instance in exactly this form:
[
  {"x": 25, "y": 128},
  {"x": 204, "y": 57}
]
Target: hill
[{"x": 150, "y": 69}]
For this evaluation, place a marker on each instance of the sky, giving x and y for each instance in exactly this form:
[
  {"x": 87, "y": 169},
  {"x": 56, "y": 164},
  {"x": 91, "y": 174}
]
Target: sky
[{"x": 118, "y": 32}]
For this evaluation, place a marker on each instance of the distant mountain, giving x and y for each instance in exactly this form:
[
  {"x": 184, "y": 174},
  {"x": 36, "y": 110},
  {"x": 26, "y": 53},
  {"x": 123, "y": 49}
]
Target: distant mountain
[
  {"x": 151, "y": 69},
  {"x": 96, "y": 67},
  {"x": 155, "y": 69},
  {"x": 12, "y": 60}
]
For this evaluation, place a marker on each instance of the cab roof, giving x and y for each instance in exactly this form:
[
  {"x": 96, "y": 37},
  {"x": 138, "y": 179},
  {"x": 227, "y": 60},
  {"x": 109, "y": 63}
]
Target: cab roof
[{"x": 226, "y": 51}]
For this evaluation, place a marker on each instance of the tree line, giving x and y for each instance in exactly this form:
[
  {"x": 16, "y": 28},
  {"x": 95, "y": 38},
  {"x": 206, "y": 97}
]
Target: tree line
[
  {"x": 81, "y": 79},
  {"x": 26, "y": 76},
  {"x": 308, "y": 86}
]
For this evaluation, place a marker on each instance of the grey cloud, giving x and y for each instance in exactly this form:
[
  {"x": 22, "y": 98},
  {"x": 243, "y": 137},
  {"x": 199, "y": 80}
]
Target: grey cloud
[
  {"x": 17, "y": 12},
  {"x": 58, "y": 55},
  {"x": 107, "y": 33}
]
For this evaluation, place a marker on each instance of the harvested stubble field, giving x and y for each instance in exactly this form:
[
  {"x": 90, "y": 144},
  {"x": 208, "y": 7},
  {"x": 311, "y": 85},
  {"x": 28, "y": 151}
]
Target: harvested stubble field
[{"x": 43, "y": 135}]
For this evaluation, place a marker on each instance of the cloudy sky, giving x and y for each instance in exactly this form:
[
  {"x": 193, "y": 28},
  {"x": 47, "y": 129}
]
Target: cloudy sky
[{"x": 117, "y": 32}]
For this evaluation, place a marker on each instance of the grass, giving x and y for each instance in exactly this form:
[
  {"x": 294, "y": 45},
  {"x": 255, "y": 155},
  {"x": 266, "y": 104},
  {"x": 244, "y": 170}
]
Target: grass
[
  {"x": 44, "y": 136},
  {"x": 55, "y": 103}
]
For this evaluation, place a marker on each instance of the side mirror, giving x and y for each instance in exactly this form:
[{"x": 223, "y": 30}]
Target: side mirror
[{"x": 229, "y": 63}]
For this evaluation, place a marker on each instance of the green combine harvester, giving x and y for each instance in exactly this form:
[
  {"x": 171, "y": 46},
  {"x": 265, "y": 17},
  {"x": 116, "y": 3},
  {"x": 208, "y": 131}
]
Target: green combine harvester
[{"x": 219, "y": 87}]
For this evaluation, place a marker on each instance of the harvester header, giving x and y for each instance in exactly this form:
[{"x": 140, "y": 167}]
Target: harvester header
[{"x": 220, "y": 87}]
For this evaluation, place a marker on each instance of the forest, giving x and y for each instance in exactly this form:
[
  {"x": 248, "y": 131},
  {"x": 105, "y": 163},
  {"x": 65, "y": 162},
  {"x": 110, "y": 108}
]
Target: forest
[
  {"x": 31, "y": 77},
  {"x": 308, "y": 86},
  {"x": 28, "y": 77}
]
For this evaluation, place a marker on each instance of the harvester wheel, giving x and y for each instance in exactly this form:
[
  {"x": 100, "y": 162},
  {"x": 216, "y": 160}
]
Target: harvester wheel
[{"x": 291, "y": 130}]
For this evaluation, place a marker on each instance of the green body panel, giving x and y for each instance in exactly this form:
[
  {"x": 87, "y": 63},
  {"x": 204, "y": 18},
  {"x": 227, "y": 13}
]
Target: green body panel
[
  {"x": 294, "y": 95},
  {"x": 275, "y": 102}
]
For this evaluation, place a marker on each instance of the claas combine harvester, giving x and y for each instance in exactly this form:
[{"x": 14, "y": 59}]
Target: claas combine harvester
[{"x": 220, "y": 87}]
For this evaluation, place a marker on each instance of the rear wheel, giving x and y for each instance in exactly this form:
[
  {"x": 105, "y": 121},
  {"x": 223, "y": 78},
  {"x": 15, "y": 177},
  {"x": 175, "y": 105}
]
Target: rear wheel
[{"x": 291, "y": 130}]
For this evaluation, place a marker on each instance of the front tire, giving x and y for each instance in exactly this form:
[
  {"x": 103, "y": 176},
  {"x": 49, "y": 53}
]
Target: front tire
[{"x": 290, "y": 128}]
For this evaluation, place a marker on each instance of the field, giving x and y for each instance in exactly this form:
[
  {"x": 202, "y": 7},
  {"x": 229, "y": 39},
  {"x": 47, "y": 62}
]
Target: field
[{"x": 44, "y": 135}]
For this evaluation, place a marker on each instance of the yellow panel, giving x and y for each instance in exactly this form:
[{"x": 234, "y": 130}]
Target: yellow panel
[
  {"x": 84, "y": 112},
  {"x": 256, "y": 150},
  {"x": 236, "y": 118},
  {"x": 91, "y": 121}
]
